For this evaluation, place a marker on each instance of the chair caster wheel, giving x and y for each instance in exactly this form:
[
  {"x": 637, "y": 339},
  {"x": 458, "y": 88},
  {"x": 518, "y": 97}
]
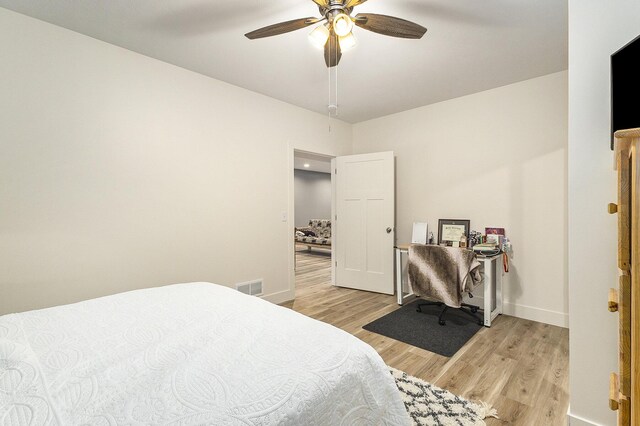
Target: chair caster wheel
[
  {"x": 442, "y": 322},
  {"x": 474, "y": 310}
]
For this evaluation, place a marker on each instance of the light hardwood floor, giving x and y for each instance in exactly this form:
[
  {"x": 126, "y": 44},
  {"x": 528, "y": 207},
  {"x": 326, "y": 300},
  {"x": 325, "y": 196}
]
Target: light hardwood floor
[{"x": 520, "y": 367}]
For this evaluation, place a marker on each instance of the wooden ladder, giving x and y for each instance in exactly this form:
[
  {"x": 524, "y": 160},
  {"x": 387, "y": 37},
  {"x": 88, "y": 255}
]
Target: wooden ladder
[{"x": 624, "y": 388}]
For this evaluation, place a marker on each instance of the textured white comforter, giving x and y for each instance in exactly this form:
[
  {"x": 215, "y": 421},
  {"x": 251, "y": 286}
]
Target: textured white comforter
[{"x": 188, "y": 354}]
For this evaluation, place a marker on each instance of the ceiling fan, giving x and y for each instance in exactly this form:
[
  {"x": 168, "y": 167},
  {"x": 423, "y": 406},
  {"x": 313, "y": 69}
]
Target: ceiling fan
[{"x": 336, "y": 34}]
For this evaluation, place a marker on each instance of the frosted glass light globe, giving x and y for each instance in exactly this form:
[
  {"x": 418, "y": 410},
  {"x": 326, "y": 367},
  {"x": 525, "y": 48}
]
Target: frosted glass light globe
[
  {"x": 319, "y": 36},
  {"x": 348, "y": 42},
  {"x": 342, "y": 25}
]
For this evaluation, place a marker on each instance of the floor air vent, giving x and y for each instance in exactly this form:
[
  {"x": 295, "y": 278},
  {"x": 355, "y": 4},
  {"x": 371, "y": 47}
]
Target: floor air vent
[{"x": 252, "y": 288}]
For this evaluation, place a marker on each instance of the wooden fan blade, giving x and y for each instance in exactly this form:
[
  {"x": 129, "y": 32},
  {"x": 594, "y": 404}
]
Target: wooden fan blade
[
  {"x": 353, "y": 3},
  {"x": 322, "y": 3},
  {"x": 281, "y": 28},
  {"x": 332, "y": 52},
  {"x": 389, "y": 25}
]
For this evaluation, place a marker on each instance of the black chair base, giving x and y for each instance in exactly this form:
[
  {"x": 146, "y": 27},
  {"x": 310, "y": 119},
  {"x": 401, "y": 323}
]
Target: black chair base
[{"x": 470, "y": 310}]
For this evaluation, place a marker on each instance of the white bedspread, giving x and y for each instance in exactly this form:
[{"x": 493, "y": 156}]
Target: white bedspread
[{"x": 188, "y": 354}]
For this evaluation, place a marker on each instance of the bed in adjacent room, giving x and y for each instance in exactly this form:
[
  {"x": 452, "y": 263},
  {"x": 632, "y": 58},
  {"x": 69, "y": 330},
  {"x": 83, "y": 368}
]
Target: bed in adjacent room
[{"x": 188, "y": 354}]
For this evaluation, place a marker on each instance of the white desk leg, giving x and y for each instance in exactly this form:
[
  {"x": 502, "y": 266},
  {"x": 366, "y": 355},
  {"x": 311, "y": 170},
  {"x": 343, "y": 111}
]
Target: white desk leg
[
  {"x": 499, "y": 275},
  {"x": 399, "y": 275},
  {"x": 489, "y": 282}
]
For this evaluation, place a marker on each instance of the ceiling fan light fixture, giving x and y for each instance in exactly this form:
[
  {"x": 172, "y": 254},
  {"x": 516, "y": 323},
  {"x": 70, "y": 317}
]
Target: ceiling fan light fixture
[
  {"x": 348, "y": 42},
  {"x": 319, "y": 36},
  {"x": 342, "y": 24},
  {"x": 335, "y": 36}
]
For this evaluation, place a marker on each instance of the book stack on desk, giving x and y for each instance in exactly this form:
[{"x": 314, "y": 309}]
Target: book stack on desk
[{"x": 486, "y": 249}]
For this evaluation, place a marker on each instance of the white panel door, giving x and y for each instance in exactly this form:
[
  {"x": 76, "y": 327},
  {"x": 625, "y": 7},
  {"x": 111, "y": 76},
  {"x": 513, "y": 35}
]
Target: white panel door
[{"x": 364, "y": 222}]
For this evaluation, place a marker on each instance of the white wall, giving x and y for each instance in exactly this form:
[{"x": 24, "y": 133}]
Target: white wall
[
  {"x": 596, "y": 30},
  {"x": 119, "y": 171},
  {"x": 497, "y": 158},
  {"x": 313, "y": 196}
]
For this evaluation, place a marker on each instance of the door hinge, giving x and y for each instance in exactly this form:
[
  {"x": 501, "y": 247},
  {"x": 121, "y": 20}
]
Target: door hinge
[{"x": 336, "y": 171}]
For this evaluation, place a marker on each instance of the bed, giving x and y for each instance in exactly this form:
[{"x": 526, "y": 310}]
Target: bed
[{"x": 188, "y": 354}]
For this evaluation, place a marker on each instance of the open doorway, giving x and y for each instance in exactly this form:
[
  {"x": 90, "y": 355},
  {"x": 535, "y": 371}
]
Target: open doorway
[{"x": 313, "y": 231}]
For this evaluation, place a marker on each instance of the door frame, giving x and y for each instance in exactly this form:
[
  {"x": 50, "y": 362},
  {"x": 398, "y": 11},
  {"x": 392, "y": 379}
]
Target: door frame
[{"x": 291, "y": 153}]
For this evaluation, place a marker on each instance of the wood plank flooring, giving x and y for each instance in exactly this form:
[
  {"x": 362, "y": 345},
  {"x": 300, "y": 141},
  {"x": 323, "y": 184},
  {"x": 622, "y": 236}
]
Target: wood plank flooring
[{"x": 520, "y": 367}]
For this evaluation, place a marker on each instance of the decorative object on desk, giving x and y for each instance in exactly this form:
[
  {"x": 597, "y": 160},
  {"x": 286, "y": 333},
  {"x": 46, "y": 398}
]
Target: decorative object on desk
[
  {"x": 506, "y": 246},
  {"x": 429, "y": 405},
  {"x": 494, "y": 231},
  {"x": 421, "y": 329},
  {"x": 463, "y": 241},
  {"x": 419, "y": 235},
  {"x": 450, "y": 230},
  {"x": 431, "y": 239},
  {"x": 507, "y": 251},
  {"x": 475, "y": 237},
  {"x": 486, "y": 249},
  {"x": 494, "y": 239},
  {"x": 495, "y": 235}
]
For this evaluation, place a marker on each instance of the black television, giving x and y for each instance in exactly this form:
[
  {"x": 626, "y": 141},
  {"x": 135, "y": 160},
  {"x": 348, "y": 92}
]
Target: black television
[{"x": 625, "y": 87}]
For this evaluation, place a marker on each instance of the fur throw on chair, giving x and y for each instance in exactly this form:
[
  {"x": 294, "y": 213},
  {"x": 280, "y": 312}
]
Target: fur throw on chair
[{"x": 443, "y": 273}]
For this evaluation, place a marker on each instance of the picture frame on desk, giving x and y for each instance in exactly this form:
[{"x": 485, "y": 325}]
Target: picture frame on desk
[
  {"x": 495, "y": 235},
  {"x": 420, "y": 233},
  {"x": 494, "y": 231},
  {"x": 450, "y": 230}
]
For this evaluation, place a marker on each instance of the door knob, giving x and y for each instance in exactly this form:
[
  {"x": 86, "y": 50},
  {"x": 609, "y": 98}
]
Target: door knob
[{"x": 389, "y": 230}]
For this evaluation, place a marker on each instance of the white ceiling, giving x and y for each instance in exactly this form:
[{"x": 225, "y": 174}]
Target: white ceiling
[
  {"x": 471, "y": 45},
  {"x": 316, "y": 163}
]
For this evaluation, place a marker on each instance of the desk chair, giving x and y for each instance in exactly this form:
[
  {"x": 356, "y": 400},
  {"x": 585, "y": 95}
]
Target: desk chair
[
  {"x": 470, "y": 310},
  {"x": 444, "y": 275}
]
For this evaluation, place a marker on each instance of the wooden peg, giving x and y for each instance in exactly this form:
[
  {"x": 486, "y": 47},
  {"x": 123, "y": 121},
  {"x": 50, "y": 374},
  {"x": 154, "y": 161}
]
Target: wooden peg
[
  {"x": 614, "y": 393},
  {"x": 613, "y": 300}
]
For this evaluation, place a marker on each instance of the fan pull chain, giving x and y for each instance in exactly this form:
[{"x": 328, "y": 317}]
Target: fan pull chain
[
  {"x": 329, "y": 79},
  {"x": 335, "y": 70},
  {"x": 337, "y": 48},
  {"x": 333, "y": 82}
]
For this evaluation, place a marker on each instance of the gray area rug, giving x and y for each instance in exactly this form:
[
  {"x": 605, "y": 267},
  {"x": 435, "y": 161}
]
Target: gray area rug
[
  {"x": 428, "y": 405},
  {"x": 421, "y": 329}
]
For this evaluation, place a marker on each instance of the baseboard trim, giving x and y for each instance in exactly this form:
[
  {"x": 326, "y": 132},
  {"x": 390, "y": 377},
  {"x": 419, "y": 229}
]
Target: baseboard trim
[
  {"x": 280, "y": 297},
  {"x": 546, "y": 316},
  {"x": 573, "y": 420}
]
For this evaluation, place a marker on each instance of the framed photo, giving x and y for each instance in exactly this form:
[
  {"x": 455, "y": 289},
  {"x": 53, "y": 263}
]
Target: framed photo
[
  {"x": 494, "y": 231},
  {"x": 494, "y": 235},
  {"x": 420, "y": 231},
  {"x": 450, "y": 230}
]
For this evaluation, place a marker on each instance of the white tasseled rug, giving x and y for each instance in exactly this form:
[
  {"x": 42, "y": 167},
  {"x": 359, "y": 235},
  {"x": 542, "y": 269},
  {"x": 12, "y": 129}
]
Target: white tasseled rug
[{"x": 428, "y": 405}]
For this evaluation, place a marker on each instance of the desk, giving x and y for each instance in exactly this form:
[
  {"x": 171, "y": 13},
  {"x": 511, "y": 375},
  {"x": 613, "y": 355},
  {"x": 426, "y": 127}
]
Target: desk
[
  {"x": 402, "y": 296},
  {"x": 491, "y": 270}
]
